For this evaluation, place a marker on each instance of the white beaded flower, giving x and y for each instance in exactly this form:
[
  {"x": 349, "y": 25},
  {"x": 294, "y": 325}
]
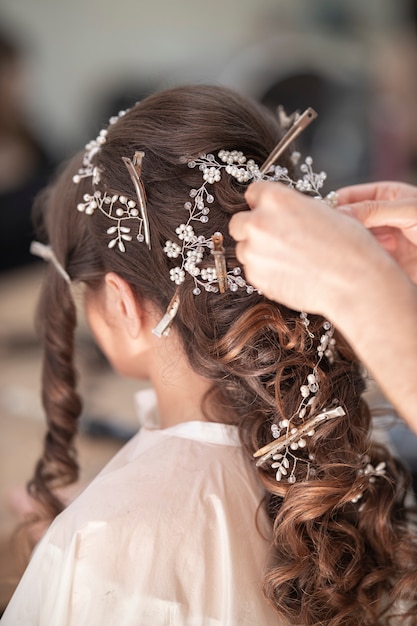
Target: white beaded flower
[
  {"x": 211, "y": 175},
  {"x": 209, "y": 274},
  {"x": 185, "y": 232},
  {"x": 172, "y": 250},
  {"x": 177, "y": 275},
  {"x": 372, "y": 473}
]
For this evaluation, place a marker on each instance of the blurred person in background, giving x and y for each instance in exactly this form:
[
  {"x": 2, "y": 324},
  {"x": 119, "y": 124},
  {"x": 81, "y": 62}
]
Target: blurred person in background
[{"x": 25, "y": 164}]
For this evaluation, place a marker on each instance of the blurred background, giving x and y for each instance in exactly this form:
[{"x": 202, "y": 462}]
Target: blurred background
[{"x": 65, "y": 67}]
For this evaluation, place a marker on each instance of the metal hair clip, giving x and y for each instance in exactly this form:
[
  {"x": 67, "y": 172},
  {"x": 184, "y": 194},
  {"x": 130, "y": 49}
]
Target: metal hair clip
[
  {"x": 163, "y": 327},
  {"x": 46, "y": 253},
  {"x": 135, "y": 169},
  {"x": 292, "y": 133},
  {"x": 295, "y": 434},
  {"x": 220, "y": 261}
]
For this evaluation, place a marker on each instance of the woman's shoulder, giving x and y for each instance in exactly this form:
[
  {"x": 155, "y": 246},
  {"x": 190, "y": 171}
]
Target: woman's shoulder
[
  {"x": 182, "y": 469},
  {"x": 169, "y": 525}
]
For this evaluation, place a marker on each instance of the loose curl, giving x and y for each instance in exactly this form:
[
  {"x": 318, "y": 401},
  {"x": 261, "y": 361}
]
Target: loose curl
[{"x": 333, "y": 562}]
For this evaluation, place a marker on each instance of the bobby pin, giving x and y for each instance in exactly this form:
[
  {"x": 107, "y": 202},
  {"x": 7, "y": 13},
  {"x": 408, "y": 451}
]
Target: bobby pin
[{"x": 292, "y": 133}]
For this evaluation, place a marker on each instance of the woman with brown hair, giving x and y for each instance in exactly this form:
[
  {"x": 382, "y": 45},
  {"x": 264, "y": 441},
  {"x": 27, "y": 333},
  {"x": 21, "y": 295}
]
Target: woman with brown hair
[{"x": 262, "y": 474}]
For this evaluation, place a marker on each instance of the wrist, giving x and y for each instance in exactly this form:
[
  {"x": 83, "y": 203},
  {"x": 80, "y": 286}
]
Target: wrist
[{"x": 376, "y": 289}]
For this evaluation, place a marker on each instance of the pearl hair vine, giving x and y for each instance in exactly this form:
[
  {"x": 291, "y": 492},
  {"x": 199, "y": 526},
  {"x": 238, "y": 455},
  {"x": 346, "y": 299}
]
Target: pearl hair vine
[
  {"x": 289, "y": 446},
  {"x": 116, "y": 207},
  {"x": 190, "y": 247},
  {"x": 292, "y": 434}
]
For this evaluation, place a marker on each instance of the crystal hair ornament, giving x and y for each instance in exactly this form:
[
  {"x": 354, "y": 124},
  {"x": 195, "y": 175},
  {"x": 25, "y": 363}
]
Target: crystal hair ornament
[
  {"x": 92, "y": 147},
  {"x": 46, "y": 253},
  {"x": 292, "y": 434},
  {"x": 189, "y": 248},
  {"x": 370, "y": 474},
  {"x": 294, "y": 438},
  {"x": 117, "y": 207}
]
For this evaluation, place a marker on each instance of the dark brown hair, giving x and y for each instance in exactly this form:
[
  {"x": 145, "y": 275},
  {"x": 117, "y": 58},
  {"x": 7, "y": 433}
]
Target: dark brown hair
[{"x": 333, "y": 561}]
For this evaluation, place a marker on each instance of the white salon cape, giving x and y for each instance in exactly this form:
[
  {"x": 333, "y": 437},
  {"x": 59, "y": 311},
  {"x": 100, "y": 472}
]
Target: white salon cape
[{"x": 165, "y": 535}]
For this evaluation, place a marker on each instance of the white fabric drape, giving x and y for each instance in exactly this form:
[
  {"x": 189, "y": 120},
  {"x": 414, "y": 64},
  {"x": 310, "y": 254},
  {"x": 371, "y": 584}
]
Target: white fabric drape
[{"x": 165, "y": 535}]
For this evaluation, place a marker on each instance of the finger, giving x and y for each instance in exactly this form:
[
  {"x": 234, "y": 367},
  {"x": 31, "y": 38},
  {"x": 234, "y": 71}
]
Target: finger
[
  {"x": 238, "y": 225},
  {"x": 240, "y": 252},
  {"x": 385, "y": 239},
  {"x": 400, "y": 214},
  {"x": 358, "y": 193},
  {"x": 385, "y": 190},
  {"x": 265, "y": 191}
]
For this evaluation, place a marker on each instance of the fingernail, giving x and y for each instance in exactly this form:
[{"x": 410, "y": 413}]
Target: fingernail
[{"x": 345, "y": 209}]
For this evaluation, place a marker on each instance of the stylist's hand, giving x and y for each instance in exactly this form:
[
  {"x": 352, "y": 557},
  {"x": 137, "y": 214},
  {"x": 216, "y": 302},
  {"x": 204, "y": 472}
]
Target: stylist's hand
[
  {"x": 389, "y": 210},
  {"x": 300, "y": 252}
]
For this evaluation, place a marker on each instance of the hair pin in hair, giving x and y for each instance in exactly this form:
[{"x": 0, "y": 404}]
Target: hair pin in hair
[
  {"x": 46, "y": 253},
  {"x": 370, "y": 474},
  {"x": 300, "y": 124},
  {"x": 220, "y": 261},
  {"x": 295, "y": 436},
  {"x": 134, "y": 168},
  {"x": 163, "y": 327}
]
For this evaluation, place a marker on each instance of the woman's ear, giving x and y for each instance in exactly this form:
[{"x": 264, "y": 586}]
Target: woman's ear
[{"x": 122, "y": 304}]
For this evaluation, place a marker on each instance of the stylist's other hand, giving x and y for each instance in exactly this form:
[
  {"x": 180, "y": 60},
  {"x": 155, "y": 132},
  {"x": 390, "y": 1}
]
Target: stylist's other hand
[
  {"x": 299, "y": 251},
  {"x": 389, "y": 210}
]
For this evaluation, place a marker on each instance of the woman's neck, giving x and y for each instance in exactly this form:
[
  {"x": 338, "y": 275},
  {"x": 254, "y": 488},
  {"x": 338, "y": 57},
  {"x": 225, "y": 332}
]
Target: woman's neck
[{"x": 179, "y": 389}]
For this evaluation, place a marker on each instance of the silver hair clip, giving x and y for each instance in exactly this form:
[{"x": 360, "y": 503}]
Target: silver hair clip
[
  {"x": 135, "y": 170},
  {"x": 164, "y": 326},
  {"x": 293, "y": 439},
  {"x": 47, "y": 254}
]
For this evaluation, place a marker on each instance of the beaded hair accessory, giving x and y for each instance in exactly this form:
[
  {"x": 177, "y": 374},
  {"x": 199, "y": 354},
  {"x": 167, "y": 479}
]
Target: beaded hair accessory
[
  {"x": 119, "y": 209},
  {"x": 289, "y": 446},
  {"x": 189, "y": 248}
]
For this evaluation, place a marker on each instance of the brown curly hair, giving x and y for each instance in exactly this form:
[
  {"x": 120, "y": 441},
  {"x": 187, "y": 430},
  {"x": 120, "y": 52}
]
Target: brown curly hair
[{"x": 334, "y": 561}]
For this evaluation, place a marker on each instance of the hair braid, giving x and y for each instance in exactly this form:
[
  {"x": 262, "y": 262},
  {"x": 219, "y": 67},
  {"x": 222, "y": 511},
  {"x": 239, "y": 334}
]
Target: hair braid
[{"x": 58, "y": 466}]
